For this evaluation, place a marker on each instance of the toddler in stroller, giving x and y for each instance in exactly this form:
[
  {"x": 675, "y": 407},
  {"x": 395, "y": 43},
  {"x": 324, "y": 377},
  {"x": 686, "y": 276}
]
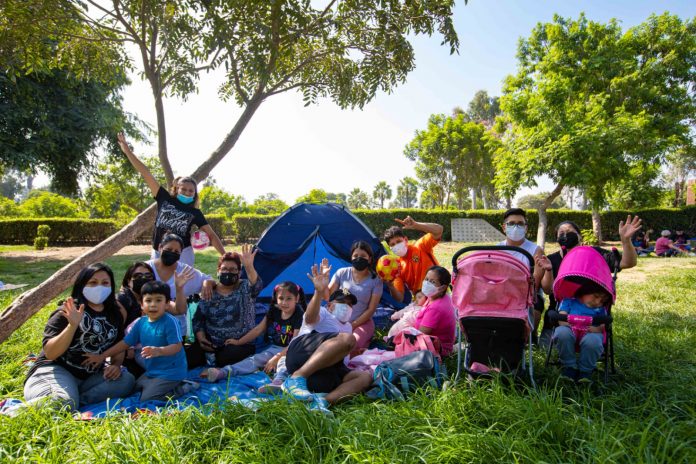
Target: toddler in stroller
[{"x": 585, "y": 288}]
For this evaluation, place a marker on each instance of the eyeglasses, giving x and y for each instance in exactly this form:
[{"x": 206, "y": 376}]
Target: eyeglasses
[
  {"x": 142, "y": 275},
  {"x": 515, "y": 224}
]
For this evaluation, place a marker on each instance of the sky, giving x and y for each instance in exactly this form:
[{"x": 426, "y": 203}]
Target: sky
[{"x": 289, "y": 149}]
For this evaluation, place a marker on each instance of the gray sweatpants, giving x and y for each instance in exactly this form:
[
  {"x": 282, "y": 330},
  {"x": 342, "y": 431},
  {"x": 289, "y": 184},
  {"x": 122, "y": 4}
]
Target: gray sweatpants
[{"x": 157, "y": 389}]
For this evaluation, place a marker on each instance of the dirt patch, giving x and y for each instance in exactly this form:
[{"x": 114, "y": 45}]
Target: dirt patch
[
  {"x": 651, "y": 267},
  {"x": 69, "y": 253}
]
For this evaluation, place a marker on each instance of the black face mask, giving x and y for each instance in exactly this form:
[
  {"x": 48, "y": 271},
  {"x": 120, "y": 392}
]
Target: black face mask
[
  {"x": 228, "y": 278},
  {"x": 360, "y": 264},
  {"x": 169, "y": 257},
  {"x": 139, "y": 282},
  {"x": 568, "y": 240}
]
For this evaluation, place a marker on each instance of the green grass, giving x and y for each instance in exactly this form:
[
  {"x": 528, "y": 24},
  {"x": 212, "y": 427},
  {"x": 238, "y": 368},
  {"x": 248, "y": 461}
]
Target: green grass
[{"x": 645, "y": 414}]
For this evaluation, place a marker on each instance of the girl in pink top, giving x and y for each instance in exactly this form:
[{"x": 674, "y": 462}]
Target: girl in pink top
[{"x": 437, "y": 316}]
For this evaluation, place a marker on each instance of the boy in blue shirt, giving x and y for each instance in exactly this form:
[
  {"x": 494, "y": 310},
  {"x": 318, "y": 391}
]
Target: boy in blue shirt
[{"x": 159, "y": 334}]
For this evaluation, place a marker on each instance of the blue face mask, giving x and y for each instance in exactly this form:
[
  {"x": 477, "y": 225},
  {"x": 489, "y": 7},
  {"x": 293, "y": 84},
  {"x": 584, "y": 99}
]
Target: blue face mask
[{"x": 184, "y": 199}]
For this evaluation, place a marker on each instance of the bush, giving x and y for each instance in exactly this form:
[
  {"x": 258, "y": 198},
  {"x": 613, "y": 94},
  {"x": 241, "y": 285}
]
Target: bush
[
  {"x": 8, "y": 208},
  {"x": 40, "y": 203},
  {"x": 40, "y": 243},
  {"x": 249, "y": 227},
  {"x": 63, "y": 231}
]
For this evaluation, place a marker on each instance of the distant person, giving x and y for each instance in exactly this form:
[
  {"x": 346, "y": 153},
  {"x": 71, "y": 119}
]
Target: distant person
[
  {"x": 177, "y": 210},
  {"x": 641, "y": 242},
  {"x": 162, "y": 350},
  {"x": 665, "y": 247},
  {"x": 414, "y": 259},
  {"x": 89, "y": 322},
  {"x": 681, "y": 241}
]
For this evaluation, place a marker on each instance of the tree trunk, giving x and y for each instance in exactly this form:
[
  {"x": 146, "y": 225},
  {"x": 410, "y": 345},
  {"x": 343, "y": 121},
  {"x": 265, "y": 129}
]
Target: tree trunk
[
  {"x": 543, "y": 218},
  {"x": 597, "y": 224},
  {"x": 484, "y": 198},
  {"x": 508, "y": 202},
  {"x": 584, "y": 201},
  {"x": 31, "y": 301},
  {"x": 473, "y": 198}
]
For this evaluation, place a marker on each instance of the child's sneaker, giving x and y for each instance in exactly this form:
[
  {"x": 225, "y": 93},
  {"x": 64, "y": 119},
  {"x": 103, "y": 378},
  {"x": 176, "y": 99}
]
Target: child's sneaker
[
  {"x": 273, "y": 388},
  {"x": 213, "y": 374},
  {"x": 320, "y": 404},
  {"x": 186, "y": 386},
  {"x": 569, "y": 373},
  {"x": 585, "y": 378},
  {"x": 297, "y": 388}
]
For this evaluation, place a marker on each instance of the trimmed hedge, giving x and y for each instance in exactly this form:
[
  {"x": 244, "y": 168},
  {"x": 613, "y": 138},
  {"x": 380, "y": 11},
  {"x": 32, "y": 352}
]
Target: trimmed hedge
[
  {"x": 247, "y": 228},
  {"x": 64, "y": 231}
]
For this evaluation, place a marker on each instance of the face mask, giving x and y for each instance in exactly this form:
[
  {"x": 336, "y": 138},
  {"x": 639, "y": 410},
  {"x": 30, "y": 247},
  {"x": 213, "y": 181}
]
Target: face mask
[
  {"x": 342, "y": 312},
  {"x": 184, "y": 199},
  {"x": 400, "y": 249},
  {"x": 228, "y": 278},
  {"x": 515, "y": 233},
  {"x": 429, "y": 289},
  {"x": 96, "y": 295},
  {"x": 360, "y": 264},
  {"x": 568, "y": 240},
  {"x": 169, "y": 257},
  {"x": 139, "y": 282}
]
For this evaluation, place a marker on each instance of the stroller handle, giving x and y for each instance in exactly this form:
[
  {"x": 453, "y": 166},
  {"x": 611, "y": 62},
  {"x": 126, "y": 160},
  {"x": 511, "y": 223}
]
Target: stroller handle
[
  {"x": 555, "y": 316},
  {"x": 524, "y": 252}
]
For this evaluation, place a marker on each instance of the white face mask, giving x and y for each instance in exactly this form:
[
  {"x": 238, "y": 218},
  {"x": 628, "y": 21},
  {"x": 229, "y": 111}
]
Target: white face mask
[
  {"x": 342, "y": 312},
  {"x": 429, "y": 289},
  {"x": 515, "y": 233},
  {"x": 98, "y": 294},
  {"x": 400, "y": 249}
]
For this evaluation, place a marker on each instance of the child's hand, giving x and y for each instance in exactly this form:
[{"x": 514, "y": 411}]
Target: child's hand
[
  {"x": 112, "y": 372},
  {"x": 93, "y": 360},
  {"x": 149, "y": 352},
  {"x": 271, "y": 364}
]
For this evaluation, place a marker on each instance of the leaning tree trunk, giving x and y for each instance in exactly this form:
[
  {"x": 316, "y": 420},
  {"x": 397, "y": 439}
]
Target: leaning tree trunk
[
  {"x": 30, "y": 302},
  {"x": 597, "y": 224}
]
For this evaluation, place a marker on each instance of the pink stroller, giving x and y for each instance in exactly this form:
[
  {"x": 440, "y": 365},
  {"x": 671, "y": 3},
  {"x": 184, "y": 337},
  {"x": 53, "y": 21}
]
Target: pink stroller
[
  {"x": 581, "y": 264},
  {"x": 494, "y": 295}
]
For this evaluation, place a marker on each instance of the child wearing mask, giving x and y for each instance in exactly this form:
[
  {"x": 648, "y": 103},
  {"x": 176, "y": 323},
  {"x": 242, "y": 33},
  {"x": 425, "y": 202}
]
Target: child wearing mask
[
  {"x": 437, "y": 318},
  {"x": 360, "y": 280}
]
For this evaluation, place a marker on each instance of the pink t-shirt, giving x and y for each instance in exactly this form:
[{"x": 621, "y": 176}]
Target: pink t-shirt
[
  {"x": 438, "y": 315},
  {"x": 662, "y": 244}
]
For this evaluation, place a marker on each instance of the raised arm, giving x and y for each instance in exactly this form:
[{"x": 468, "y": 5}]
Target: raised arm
[
  {"x": 427, "y": 227},
  {"x": 55, "y": 347},
  {"x": 320, "y": 281},
  {"x": 247, "y": 258},
  {"x": 138, "y": 165},
  {"x": 626, "y": 231}
]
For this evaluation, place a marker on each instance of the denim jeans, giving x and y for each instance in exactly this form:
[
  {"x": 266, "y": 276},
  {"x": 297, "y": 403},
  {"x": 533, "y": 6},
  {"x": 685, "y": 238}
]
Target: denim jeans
[
  {"x": 56, "y": 382},
  {"x": 253, "y": 363},
  {"x": 591, "y": 348}
]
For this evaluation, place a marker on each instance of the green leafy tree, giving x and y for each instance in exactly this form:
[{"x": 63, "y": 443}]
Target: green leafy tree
[
  {"x": 640, "y": 189},
  {"x": 535, "y": 200},
  {"x": 11, "y": 184},
  {"x": 589, "y": 100},
  {"x": 314, "y": 196},
  {"x": 681, "y": 165},
  {"x": 358, "y": 199},
  {"x": 269, "y": 203},
  {"x": 40, "y": 203},
  {"x": 342, "y": 51},
  {"x": 8, "y": 208},
  {"x": 453, "y": 159},
  {"x": 339, "y": 198},
  {"x": 406, "y": 193},
  {"x": 381, "y": 193},
  {"x": 215, "y": 200},
  {"x": 483, "y": 108}
]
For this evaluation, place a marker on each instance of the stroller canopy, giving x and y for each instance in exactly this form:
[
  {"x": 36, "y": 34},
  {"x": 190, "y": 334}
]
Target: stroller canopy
[
  {"x": 586, "y": 263},
  {"x": 302, "y": 236}
]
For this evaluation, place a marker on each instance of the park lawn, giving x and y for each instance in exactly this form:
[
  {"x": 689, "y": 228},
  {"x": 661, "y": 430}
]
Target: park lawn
[{"x": 647, "y": 413}]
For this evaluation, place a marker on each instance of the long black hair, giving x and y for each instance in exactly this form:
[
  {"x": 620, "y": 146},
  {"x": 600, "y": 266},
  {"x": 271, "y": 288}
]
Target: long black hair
[{"x": 83, "y": 277}]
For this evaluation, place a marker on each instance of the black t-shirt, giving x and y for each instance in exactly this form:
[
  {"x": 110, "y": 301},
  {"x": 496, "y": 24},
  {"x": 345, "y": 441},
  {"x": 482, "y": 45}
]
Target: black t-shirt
[
  {"x": 130, "y": 303},
  {"x": 174, "y": 217},
  {"x": 97, "y": 332},
  {"x": 556, "y": 259},
  {"x": 279, "y": 331}
]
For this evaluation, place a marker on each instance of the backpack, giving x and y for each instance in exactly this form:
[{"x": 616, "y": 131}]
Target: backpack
[
  {"x": 406, "y": 342},
  {"x": 392, "y": 379}
]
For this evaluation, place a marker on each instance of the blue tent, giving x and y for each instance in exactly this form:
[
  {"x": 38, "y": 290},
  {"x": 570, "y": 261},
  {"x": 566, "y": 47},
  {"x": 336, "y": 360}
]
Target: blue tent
[{"x": 302, "y": 236}]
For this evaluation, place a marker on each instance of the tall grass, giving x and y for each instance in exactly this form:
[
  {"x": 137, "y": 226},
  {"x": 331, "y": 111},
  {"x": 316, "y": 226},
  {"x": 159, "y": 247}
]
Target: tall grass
[{"x": 645, "y": 414}]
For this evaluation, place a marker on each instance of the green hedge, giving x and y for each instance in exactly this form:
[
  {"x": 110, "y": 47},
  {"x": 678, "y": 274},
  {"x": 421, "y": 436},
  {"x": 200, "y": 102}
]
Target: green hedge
[
  {"x": 64, "y": 231},
  {"x": 247, "y": 228}
]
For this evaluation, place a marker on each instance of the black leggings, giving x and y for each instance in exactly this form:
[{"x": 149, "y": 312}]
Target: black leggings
[{"x": 228, "y": 354}]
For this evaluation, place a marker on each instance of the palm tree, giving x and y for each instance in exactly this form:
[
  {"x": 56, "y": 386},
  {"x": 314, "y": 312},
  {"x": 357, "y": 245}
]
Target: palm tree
[{"x": 381, "y": 193}]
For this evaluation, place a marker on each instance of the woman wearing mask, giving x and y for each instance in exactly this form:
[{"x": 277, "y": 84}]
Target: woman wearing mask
[
  {"x": 89, "y": 322},
  {"x": 137, "y": 275},
  {"x": 229, "y": 314},
  {"x": 437, "y": 318},
  {"x": 177, "y": 210},
  {"x": 360, "y": 280}
]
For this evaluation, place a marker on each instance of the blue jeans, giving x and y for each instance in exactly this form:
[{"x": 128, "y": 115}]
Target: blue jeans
[
  {"x": 56, "y": 382},
  {"x": 591, "y": 348},
  {"x": 253, "y": 363}
]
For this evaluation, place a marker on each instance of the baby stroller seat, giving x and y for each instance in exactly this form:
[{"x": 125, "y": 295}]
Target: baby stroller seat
[
  {"x": 494, "y": 295},
  {"x": 586, "y": 263}
]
